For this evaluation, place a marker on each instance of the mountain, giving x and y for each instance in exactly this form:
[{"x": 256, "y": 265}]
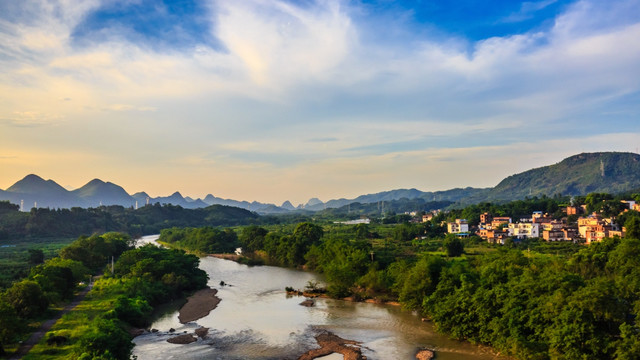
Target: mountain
[
  {"x": 287, "y": 205},
  {"x": 610, "y": 172},
  {"x": 175, "y": 199},
  {"x": 33, "y": 189},
  {"x": 34, "y": 184},
  {"x": 258, "y": 207},
  {"x": 453, "y": 195},
  {"x": 97, "y": 192},
  {"x": 141, "y": 198}
]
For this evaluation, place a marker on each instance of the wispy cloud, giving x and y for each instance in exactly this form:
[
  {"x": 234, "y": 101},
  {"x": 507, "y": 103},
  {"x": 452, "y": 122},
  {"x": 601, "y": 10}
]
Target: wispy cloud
[
  {"x": 528, "y": 10},
  {"x": 31, "y": 119},
  {"x": 126, "y": 107},
  {"x": 276, "y": 86}
]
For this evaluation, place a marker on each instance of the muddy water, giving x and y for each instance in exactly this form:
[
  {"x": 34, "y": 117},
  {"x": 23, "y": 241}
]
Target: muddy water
[{"x": 257, "y": 320}]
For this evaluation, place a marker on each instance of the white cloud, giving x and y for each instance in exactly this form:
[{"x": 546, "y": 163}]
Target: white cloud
[{"x": 288, "y": 75}]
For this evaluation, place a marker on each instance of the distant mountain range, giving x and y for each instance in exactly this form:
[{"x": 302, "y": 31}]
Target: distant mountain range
[{"x": 610, "y": 172}]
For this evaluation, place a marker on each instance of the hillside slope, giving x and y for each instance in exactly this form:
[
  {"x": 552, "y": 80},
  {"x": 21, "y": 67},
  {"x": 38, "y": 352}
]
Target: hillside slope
[{"x": 609, "y": 172}]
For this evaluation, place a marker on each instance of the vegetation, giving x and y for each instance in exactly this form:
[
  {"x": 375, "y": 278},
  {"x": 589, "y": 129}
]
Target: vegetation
[
  {"x": 146, "y": 220},
  {"x": 530, "y": 299},
  {"x": 206, "y": 240},
  {"x": 142, "y": 279},
  {"x": 53, "y": 282},
  {"x": 28, "y": 238},
  {"x": 581, "y": 174},
  {"x": 18, "y": 256}
]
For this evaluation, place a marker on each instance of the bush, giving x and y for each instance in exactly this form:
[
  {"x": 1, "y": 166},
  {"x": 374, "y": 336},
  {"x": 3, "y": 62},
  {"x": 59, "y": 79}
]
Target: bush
[{"x": 106, "y": 339}]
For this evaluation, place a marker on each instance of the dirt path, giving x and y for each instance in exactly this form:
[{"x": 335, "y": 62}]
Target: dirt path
[{"x": 26, "y": 346}]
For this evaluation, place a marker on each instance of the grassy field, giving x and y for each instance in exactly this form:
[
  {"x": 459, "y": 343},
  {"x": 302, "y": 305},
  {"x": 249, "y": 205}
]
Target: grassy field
[
  {"x": 14, "y": 256},
  {"x": 74, "y": 324}
]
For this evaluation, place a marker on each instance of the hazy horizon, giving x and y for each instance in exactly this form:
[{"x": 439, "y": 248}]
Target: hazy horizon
[{"x": 288, "y": 100}]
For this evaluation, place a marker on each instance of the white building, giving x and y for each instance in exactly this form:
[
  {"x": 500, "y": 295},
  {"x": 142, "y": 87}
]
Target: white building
[
  {"x": 457, "y": 227},
  {"x": 524, "y": 230}
]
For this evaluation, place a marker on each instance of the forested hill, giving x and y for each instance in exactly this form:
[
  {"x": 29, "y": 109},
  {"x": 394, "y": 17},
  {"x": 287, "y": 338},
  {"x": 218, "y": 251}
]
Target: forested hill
[
  {"x": 146, "y": 220},
  {"x": 608, "y": 172}
]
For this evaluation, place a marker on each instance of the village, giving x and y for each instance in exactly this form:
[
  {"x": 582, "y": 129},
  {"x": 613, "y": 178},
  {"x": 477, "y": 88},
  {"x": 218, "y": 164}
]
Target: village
[{"x": 587, "y": 229}]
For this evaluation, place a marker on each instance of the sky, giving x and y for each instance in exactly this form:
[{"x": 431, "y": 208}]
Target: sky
[{"x": 274, "y": 100}]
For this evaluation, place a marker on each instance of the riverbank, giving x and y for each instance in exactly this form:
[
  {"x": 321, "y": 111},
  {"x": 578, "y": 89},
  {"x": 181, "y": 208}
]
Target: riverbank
[
  {"x": 322, "y": 295},
  {"x": 232, "y": 257},
  {"x": 199, "y": 305}
]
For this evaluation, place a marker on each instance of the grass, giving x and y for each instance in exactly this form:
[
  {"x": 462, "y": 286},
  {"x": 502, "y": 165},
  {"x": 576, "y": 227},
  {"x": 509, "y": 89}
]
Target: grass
[
  {"x": 14, "y": 256},
  {"x": 74, "y": 324}
]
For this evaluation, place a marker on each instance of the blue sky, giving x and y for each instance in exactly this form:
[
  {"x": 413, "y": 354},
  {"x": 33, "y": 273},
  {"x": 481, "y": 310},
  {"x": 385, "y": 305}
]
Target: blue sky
[{"x": 287, "y": 100}]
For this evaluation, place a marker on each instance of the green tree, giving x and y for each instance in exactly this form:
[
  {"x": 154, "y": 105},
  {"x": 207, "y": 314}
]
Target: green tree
[
  {"x": 453, "y": 245},
  {"x": 632, "y": 226},
  {"x": 57, "y": 282},
  {"x": 106, "y": 339},
  {"x": 252, "y": 238},
  {"x": 361, "y": 231},
  {"x": 36, "y": 256},
  {"x": 10, "y": 325},
  {"x": 421, "y": 281},
  {"x": 27, "y": 298}
]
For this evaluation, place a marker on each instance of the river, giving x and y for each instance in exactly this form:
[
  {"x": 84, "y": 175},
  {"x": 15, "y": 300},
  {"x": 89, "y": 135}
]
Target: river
[{"x": 257, "y": 320}]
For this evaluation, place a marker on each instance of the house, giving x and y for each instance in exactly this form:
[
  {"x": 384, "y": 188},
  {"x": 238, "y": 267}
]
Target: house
[
  {"x": 489, "y": 221},
  {"x": 630, "y": 203},
  {"x": 427, "y": 217},
  {"x": 485, "y": 218},
  {"x": 575, "y": 210},
  {"x": 540, "y": 218},
  {"x": 524, "y": 230},
  {"x": 595, "y": 228},
  {"x": 490, "y": 230},
  {"x": 493, "y": 236},
  {"x": 498, "y": 221},
  {"x": 460, "y": 226},
  {"x": 553, "y": 235}
]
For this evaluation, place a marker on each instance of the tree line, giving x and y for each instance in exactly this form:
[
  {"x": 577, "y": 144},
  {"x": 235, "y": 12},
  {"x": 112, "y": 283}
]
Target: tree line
[{"x": 146, "y": 220}]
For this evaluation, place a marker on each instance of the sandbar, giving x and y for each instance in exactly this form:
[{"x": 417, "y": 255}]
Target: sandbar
[
  {"x": 331, "y": 343},
  {"x": 199, "y": 305}
]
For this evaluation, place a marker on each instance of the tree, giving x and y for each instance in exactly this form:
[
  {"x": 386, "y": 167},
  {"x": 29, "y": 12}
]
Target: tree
[
  {"x": 453, "y": 245},
  {"x": 362, "y": 231},
  {"x": 55, "y": 281},
  {"x": 106, "y": 338},
  {"x": 632, "y": 226},
  {"x": 10, "y": 325},
  {"x": 421, "y": 281},
  {"x": 304, "y": 236},
  {"x": 27, "y": 299},
  {"x": 252, "y": 238},
  {"x": 36, "y": 256}
]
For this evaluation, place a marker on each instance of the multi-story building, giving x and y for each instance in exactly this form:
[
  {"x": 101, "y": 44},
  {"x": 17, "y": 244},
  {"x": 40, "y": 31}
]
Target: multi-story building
[
  {"x": 524, "y": 230},
  {"x": 460, "y": 226},
  {"x": 595, "y": 228},
  {"x": 490, "y": 228}
]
